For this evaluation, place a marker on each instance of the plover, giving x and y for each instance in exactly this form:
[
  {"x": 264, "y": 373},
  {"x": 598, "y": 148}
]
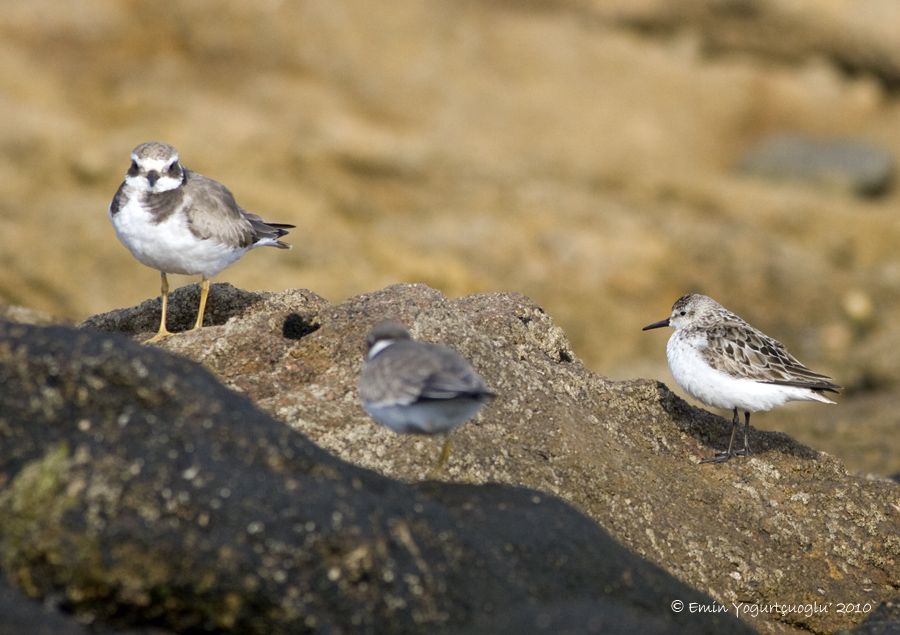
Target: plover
[
  {"x": 719, "y": 359},
  {"x": 177, "y": 221},
  {"x": 416, "y": 387}
]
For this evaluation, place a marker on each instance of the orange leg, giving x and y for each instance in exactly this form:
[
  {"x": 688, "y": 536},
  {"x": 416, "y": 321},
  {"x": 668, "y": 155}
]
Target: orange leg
[
  {"x": 204, "y": 292},
  {"x": 164, "y": 293}
]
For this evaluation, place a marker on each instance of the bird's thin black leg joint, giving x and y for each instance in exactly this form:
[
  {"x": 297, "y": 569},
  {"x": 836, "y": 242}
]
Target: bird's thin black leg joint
[
  {"x": 721, "y": 457},
  {"x": 746, "y": 451}
]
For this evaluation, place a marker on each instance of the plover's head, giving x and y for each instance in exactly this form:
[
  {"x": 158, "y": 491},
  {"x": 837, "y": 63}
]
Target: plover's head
[
  {"x": 687, "y": 310},
  {"x": 154, "y": 168},
  {"x": 383, "y": 335}
]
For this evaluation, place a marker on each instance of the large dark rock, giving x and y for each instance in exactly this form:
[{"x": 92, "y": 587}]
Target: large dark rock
[
  {"x": 788, "y": 525},
  {"x": 19, "y": 615},
  {"x": 884, "y": 619},
  {"x": 139, "y": 492}
]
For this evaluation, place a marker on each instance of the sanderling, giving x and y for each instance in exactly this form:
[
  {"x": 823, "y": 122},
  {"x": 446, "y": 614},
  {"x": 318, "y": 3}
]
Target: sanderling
[
  {"x": 417, "y": 387},
  {"x": 178, "y": 221},
  {"x": 719, "y": 359}
]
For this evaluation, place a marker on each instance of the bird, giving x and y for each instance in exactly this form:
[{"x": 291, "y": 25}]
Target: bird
[
  {"x": 176, "y": 220},
  {"x": 722, "y": 361},
  {"x": 415, "y": 387}
]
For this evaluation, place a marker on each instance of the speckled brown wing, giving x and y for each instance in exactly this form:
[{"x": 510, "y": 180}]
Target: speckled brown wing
[
  {"x": 213, "y": 213},
  {"x": 740, "y": 350},
  {"x": 408, "y": 372}
]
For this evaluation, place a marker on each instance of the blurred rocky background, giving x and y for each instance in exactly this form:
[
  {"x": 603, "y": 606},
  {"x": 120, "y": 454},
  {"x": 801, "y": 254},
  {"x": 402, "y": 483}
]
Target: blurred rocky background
[{"x": 602, "y": 157}]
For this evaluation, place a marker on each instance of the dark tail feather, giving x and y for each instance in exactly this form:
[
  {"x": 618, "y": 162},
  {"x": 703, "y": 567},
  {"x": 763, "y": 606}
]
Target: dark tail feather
[
  {"x": 281, "y": 229},
  {"x": 823, "y": 386},
  {"x": 272, "y": 231}
]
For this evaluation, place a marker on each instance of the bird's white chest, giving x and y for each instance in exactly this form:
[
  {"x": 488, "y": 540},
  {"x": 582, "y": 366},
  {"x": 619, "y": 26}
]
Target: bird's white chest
[
  {"x": 169, "y": 245},
  {"x": 719, "y": 389}
]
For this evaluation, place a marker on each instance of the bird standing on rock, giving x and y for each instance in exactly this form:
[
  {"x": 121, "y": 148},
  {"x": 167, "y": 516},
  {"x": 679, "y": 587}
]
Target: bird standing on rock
[
  {"x": 719, "y": 359},
  {"x": 178, "y": 221},
  {"x": 417, "y": 387}
]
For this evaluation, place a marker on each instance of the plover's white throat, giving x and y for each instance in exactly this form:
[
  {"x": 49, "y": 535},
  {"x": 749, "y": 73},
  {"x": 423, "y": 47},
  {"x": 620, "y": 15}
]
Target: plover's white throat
[
  {"x": 418, "y": 387},
  {"x": 719, "y": 359},
  {"x": 177, "y": 221}
]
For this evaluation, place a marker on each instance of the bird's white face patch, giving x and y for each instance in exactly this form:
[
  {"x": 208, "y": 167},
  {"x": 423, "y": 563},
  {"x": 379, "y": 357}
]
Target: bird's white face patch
[
  {"x": 379, "y": 346},
  {"x": 146, "y": 165}
]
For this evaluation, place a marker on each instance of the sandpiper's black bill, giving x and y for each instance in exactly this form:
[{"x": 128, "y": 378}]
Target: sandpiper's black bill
[{"x": 656, "y": 325}]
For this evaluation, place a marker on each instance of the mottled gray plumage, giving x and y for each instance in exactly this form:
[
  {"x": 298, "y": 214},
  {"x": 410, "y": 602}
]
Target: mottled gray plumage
[
  {"x": 213, "y": 213},
  {"x": 409, "y": 371},
  {"x": 154, "y": 150},
  {"x": 718, "y": 358},
  {"x": 740, "y": 350},
  {"x": 415, "y": 386}
]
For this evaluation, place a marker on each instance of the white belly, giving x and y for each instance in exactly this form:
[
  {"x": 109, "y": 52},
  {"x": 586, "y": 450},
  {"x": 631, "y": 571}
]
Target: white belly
[
  {"x": 719, "y": 390},
  {"x": 425, "y": 418},
  {"x": 170, "y": 246}
]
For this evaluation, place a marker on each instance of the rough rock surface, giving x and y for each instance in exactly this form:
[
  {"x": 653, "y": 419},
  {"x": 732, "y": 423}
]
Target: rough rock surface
[
  {"x": 19, "y": 615},
  {"x": 789, "y": 525},
  {"x": 137, "y": 491},
  {"x": 884, "y": 620}
]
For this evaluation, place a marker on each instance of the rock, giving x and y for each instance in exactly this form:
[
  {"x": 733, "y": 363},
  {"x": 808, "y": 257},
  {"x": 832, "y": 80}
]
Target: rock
[
  {"x": 24, "y": 315},
  {"x": 789, "y": 525},
  {"x": 23, "y": 616},
  {"x": 20, "y": 615},
  {"x": 140, "y": 491},
  {"x": 846, "y": 164},
  {"x": 224, "y": 302},
  {"x": 884, "y": 620}
]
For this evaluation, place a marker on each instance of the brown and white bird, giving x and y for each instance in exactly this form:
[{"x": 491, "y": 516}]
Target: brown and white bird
[
  {"x": 719, "y": 359},
  {"x": 416, "y": 387},
  {"x": 178, "y": 221}
]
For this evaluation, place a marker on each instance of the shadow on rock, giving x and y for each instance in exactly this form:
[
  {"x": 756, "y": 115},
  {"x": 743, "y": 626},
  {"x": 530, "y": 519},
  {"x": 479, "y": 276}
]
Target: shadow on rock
[
  {"x": 297, "y": 327},
  {"x": 715, "y": 431},
  {"x": 225, "y": 302}
]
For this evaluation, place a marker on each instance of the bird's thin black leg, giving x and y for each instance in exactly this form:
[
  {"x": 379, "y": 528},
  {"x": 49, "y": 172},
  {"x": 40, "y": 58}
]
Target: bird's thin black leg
[
  {"x": 721, "y": 457},
  {"x": 746, "y": 451}
]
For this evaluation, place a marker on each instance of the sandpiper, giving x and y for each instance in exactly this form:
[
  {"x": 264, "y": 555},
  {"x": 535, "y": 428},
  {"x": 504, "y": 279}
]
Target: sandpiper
[
  {"x": 178, "y": 221},
  {"x": 719, "y": 359},
  {"x": 416, "y": 387}
]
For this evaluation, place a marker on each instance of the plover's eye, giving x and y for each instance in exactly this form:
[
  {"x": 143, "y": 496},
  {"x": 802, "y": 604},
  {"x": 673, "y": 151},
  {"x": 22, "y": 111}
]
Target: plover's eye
[
  {"x": 174, "y": 166},
  {"x": 134, "y": 168}
]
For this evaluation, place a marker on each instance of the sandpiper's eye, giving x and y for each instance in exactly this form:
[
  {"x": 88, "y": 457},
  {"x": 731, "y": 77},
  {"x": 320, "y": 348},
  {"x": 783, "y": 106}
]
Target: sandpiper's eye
[{"x": 683, "y": 313}]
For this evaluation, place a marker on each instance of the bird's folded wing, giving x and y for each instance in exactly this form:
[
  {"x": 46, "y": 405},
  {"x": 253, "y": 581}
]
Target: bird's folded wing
[
  {"x": 214, "y": 214},
  {"x": 750, "y": 354}
]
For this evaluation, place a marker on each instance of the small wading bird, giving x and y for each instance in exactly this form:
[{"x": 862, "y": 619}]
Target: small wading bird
[
  {"x": 177, "y": 221},
  {"x": 418, "y": 388},
  {"x": 719, "y": 359}
]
